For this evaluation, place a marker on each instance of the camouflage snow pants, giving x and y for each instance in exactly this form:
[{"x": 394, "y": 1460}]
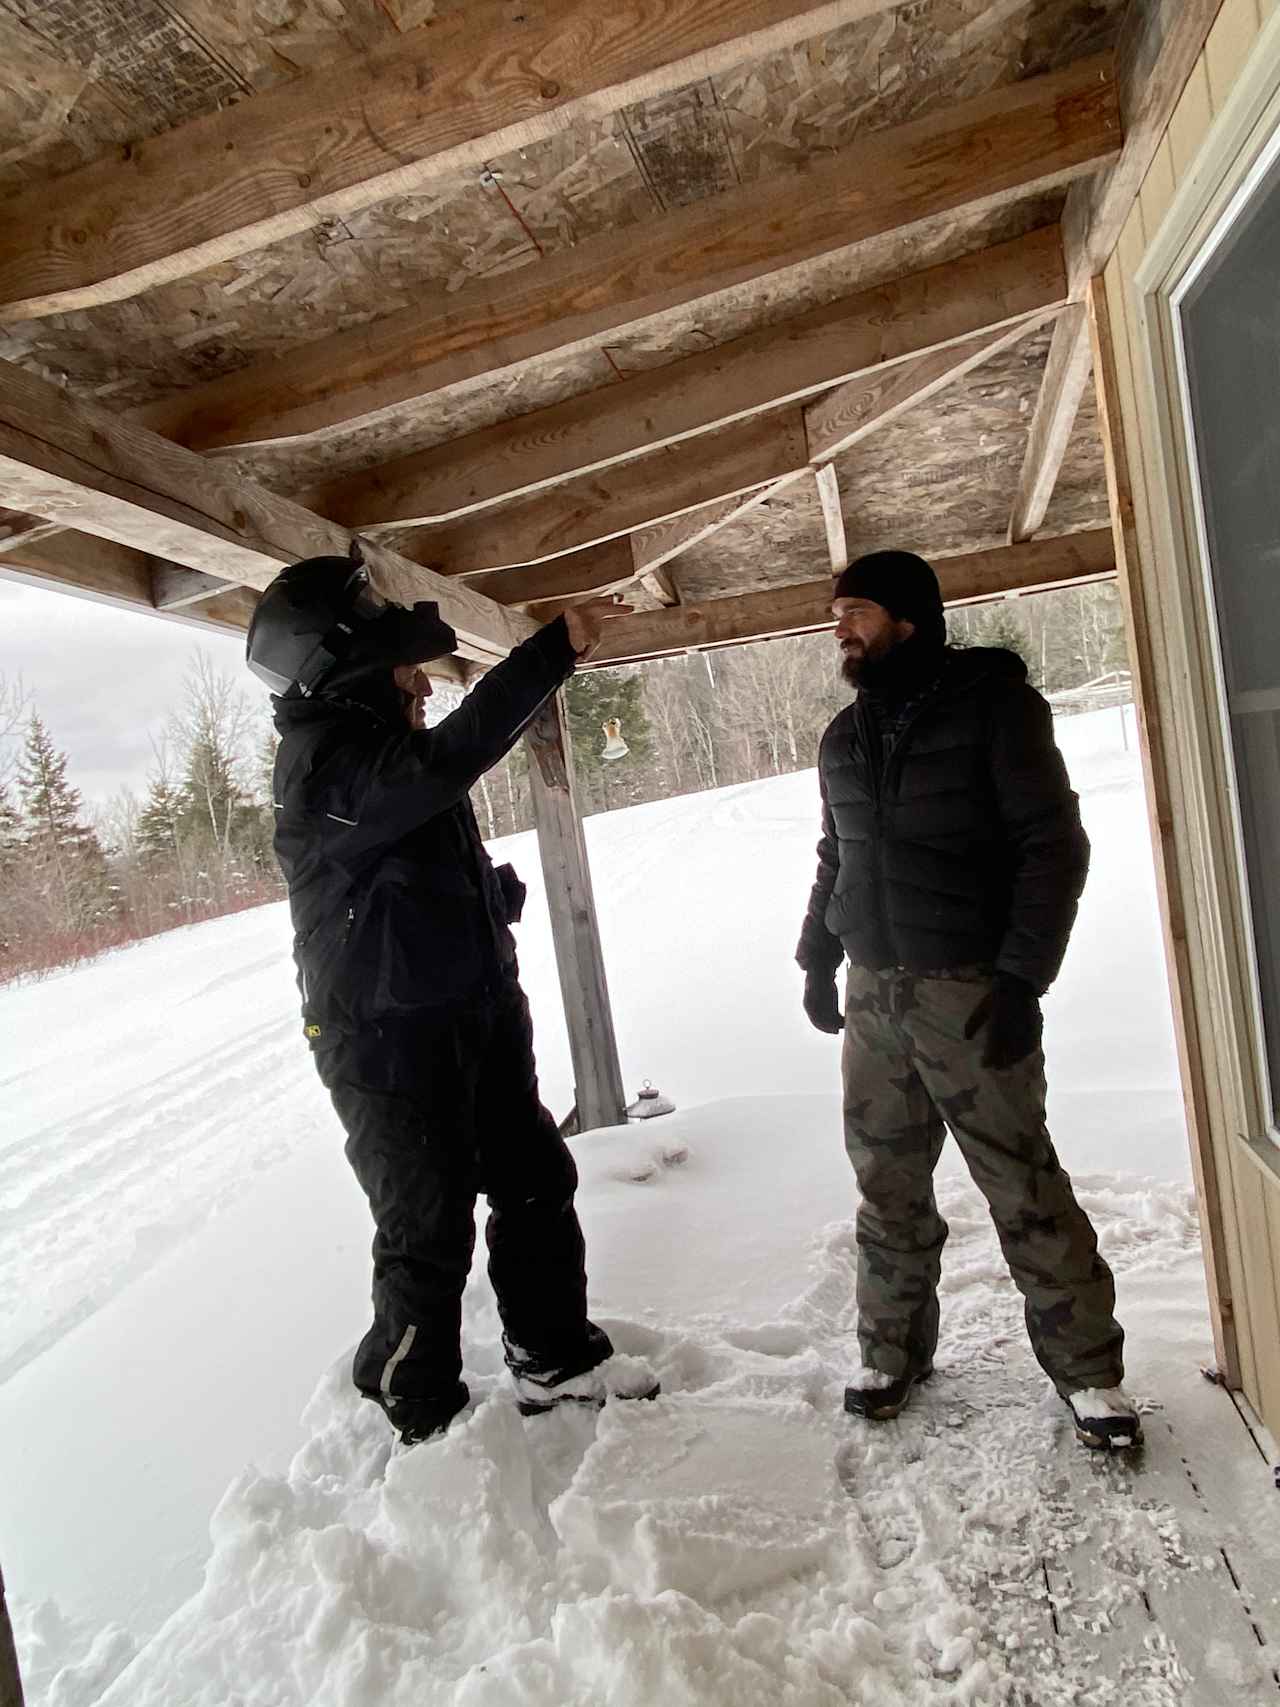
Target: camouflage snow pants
[{"x": 909, "y": 1074}]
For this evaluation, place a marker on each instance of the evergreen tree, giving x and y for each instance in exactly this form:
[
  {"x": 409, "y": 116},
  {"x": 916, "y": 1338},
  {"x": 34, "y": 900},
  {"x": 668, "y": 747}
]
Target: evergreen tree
[
  {"x": 10, "y": 832},
  {"x": 159, "y": 823},
  {"x": 62, "y": 854}
]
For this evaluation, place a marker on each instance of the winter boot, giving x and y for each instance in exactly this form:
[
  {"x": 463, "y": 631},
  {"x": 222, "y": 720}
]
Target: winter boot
[
  {"x": 590, "y": 1375},
  {"x": 1106, "y": 1418},
  {"x": 422, "y": 1419},
  {"x": 877, "y": 1396}
]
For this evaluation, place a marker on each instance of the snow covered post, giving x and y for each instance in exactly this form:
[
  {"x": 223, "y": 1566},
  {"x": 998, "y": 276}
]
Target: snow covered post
[
  {"x": 10, "y": 1682},
  {"x": 579, "y": 960}
]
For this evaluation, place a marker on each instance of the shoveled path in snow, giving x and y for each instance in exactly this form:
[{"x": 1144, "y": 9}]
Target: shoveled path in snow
[{"x": 741, "y": 1540}]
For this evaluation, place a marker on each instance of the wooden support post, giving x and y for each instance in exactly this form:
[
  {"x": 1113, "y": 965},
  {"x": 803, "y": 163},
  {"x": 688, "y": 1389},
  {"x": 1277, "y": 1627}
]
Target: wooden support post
[
  {"x": 601, "y": 1100},
  {"x": 10, "y": 1682}
]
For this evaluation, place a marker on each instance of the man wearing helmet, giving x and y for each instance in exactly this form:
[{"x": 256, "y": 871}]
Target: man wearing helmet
[{"x": 410, "y": 996}]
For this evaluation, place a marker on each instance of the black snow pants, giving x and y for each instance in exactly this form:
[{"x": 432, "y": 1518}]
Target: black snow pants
[{"x": 439, "y": 1107}]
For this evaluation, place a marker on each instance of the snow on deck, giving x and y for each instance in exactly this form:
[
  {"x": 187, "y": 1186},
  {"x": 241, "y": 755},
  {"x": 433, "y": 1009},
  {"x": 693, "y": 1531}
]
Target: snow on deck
[{"x": 185, "y": 1249}]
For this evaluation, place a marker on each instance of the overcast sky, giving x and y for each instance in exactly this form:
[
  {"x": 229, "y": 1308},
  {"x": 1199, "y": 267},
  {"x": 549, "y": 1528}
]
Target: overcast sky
[{"x": 104, "y": 680}]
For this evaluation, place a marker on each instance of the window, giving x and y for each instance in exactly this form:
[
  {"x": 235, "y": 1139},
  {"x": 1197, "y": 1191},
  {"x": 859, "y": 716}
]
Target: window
[{"x": 1230, "y": 327}]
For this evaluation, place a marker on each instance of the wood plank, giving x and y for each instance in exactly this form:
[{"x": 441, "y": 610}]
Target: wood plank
[
  {"x": 661, "y": 584},
  {"x": 79, "y": 464},
  {"x": 584, "y": 988},
  {"x": 1066, "y": 374},
  {"x": 805, "y": 607},
  {"x": 616, "y": 500},
  {"x": 861, "y": 406},
  {"x": 984, "y": 152},
  {"x": 599, "y": 569},
  {"x": 832, "y": 517},
  {"x": 172, "y": 587},
  {"x": 990, "y": 290},
  {"x": 1151, "y": 714},
  {"x": 450, "y": 95},
  {"x": 1158, "y": 189}
]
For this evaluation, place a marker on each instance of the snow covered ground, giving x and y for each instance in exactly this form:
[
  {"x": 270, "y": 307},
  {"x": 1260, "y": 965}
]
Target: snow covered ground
[{"x": 184, "y": 1251}]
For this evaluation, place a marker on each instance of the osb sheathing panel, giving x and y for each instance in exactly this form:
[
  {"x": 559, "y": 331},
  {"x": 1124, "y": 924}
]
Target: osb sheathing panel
[
  {"x": 940, "y": 480},
  {"x": 647, "y": 344},
  {"x": 598, "y": 175}
]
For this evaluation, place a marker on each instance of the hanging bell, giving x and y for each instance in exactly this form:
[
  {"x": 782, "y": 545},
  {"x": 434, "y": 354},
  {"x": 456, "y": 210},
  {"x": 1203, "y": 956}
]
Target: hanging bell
[
  {"x": 614, "y": 746},
  {"x": 649, "y": 1104}
]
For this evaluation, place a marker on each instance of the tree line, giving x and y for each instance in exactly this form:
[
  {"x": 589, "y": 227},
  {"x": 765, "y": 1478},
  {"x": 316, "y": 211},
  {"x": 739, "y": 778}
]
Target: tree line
[{"x": 197, "y": 842}]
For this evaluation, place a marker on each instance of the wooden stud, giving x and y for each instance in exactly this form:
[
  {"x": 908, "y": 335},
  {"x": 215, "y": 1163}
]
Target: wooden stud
[
  {"x": 1066, "y": 374},
  {"x": 832, "y": 517},
  {"x": 993, "y": 149},
  {"x": 601, "y": 568},
  {"x": 991, "y": 290},
  {"x": 575, "y": 930}
]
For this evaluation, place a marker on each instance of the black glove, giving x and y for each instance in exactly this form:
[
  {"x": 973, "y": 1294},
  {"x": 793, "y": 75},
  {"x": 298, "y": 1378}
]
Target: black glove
[
  {"x": 513, "y": 893},
  {"x": 1010, "y": 1011},
  {"x": 820, "y": 1002}
]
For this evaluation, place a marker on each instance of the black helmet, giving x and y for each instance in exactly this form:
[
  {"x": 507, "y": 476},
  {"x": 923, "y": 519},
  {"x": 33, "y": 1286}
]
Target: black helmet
[{"x": 322, "y": 612}]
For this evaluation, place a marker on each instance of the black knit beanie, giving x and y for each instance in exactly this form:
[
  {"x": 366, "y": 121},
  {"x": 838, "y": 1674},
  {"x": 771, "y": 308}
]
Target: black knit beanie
[{"x": 903, "y": 583}]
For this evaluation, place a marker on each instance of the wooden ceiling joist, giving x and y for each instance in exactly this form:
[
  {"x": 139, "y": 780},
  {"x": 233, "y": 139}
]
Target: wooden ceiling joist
[
  {"x": 1160, "y": 43},
  {"x": 172, "y": 587},
  {"x": 804, "y": 608},
  {"x": 981, "y": 153},
  {"x": 485, "y": 80},
  {"x": 617, "y": 500},
  {"x": 602, "y": 568},
  {"x": 75, "y": 463},
  {"x": 989, "y": 292}
]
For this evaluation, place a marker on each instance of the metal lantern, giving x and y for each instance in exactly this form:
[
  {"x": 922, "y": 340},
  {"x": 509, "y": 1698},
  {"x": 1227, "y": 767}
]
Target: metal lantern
[{"x": 614, "y": 746}]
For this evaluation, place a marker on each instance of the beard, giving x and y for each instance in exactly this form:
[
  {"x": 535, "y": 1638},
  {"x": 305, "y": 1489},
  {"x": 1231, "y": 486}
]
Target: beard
[{"x": 858, "y": 665}]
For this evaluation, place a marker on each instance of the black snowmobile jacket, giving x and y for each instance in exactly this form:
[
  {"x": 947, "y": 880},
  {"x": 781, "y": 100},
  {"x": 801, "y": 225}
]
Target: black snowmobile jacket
[
  {"x": 962, "y": 846},
  {"x": 396, "y": 905}
]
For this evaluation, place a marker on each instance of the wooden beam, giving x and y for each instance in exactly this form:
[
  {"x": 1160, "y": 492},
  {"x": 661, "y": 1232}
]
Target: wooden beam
[
  {"x": 805, "y": 607},
  {"x": 660, "y": 584},
  {"x": 601, "y": 568},
  {"x": 616, "y": 500},
  {"x": 832, "y": 517},
  {"x": 482, "y": 82},
  {"x": 851, "y": 412},
  {"x": 989, "y": 291},
  {"x": 79, "y": 464},
  {"x": 17, "y": 530},
  {"x": 575, "y": 932},
  {"x": 1153, "y": 718},
  {"x": 1066, "y": 374},
  {"x": 172, "y": 587},
  {"x": 1160, "y": 43},
  {"x": 997, "y": 147}
]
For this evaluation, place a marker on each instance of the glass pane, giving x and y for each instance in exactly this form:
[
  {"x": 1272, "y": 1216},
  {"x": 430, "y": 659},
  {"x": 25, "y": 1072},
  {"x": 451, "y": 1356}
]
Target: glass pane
[{"x": 1231, "y": 324}]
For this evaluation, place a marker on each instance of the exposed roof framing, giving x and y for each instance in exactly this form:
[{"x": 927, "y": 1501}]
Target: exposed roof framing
[
  {"x": 75, "y": 463},
  {"x": 987, "y": 292},
  {"x": 478, "y": 82},
  {"x": 999, "y": 146},
  {"x": 1159, "y": 46},
  {"x": 800, "y": 609}
]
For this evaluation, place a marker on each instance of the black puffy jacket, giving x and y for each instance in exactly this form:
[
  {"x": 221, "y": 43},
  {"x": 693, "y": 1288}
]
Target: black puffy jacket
[
  {"x": 962, "y": 847},
  {"x": 396, "y": 905}
]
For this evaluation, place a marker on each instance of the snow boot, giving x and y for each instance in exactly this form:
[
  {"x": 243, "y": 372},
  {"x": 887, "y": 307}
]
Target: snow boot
[
  {"x": 1106, "y": 1419},
  {"x": 422, "y": 1419},
  {"x": 592, "y": 1375},
  {"x": 877, "y": 1396}
]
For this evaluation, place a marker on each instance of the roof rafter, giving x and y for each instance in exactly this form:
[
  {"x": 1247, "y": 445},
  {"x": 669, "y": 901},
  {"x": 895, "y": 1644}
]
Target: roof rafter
[
  {"x": 448, "y": 95},
  {"x": 979, "y": 154}
]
